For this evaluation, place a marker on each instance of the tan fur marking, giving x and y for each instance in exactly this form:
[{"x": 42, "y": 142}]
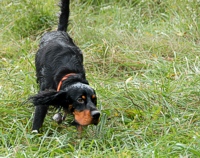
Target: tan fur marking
[
  {"x": 93, "y": 96},
  {"x": 83, "y": 117},
  {"x": 83, "y": 97},
  {"x": 70, "y": 107}
]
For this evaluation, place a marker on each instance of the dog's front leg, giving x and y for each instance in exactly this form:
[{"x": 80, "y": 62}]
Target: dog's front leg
[{"x": 40, "y": 113}]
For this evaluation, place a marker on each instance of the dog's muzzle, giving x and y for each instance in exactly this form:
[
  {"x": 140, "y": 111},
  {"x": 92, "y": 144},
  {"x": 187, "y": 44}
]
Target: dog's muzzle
[{"x": 86, "y": 117}]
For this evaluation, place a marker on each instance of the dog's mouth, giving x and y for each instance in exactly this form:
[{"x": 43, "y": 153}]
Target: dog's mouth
[{"x": 86, "y": 117}]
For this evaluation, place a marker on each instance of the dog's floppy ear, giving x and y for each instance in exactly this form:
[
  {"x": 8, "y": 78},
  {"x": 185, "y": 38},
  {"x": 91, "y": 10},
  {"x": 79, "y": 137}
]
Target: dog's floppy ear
[{"x": 49, "y": 98}]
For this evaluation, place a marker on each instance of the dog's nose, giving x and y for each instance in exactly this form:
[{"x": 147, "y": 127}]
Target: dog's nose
[{"x": 95, "y": 114}]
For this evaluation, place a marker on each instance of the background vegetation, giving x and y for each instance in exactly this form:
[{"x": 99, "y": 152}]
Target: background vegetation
[{"x": 142, "y": 57}]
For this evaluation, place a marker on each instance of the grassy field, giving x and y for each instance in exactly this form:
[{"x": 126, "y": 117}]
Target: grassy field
[{"x": 142, "y": 57}]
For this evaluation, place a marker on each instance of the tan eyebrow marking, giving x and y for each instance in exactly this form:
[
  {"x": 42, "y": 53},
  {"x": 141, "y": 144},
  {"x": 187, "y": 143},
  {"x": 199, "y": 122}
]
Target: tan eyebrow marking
[
  {"x": 93, "y": 96},
  {"x": 83, "y": 97}
]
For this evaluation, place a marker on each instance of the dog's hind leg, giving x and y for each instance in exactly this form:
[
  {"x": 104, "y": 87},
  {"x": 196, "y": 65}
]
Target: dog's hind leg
[{"x": 40, "y": 113}]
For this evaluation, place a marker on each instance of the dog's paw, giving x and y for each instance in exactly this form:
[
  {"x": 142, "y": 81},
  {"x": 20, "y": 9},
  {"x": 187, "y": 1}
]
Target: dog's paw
[{"x": 35, "y": 131}]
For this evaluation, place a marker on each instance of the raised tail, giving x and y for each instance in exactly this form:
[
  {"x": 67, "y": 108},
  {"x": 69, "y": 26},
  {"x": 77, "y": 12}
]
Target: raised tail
[{"x": 64, "y": 16}]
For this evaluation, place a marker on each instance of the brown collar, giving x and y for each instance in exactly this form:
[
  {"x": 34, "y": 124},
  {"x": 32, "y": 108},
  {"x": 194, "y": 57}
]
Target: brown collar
[{"x": 64, "y": 78}]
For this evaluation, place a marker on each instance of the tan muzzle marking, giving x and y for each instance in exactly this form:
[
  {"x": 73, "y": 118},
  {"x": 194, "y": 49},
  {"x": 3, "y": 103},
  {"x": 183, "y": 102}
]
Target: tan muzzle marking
[{"x": 83, "y": 117}]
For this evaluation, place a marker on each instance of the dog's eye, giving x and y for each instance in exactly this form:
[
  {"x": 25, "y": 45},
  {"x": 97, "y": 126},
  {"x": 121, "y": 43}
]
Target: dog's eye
[{"x": 80, "y": 100}]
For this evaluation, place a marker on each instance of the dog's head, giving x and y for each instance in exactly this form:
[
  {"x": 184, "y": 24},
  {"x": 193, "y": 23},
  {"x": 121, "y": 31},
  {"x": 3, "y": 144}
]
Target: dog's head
[
  {"x": 83, "y": 103},
  {"x": 79, "y": 98}
]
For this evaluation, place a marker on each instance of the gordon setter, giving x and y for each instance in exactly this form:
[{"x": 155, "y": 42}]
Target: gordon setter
[{"x": 61, "y": 78}]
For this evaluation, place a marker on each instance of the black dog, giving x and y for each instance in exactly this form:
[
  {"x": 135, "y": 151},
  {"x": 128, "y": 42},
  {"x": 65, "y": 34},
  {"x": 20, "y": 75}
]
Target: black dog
[{"x": 61, "y": 77}]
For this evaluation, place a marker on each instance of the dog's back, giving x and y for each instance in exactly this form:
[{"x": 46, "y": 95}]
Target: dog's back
[{"x": 57, "y": 54}]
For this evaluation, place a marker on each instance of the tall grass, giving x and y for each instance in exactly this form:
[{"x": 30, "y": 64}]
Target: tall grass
[{"x": 142, "y": 57}]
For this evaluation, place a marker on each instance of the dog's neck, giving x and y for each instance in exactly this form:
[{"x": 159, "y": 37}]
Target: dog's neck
[
  {"x": 64, "y": 78},
  {"x": 71, "y": 79}
]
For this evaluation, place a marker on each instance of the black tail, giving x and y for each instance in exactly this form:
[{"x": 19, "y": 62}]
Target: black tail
[{"x": 64, "y": 16}]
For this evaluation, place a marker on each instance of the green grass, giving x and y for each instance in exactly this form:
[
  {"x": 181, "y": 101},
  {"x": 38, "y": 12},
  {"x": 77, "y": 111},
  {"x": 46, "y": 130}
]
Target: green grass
[{"x": 142, "y": 57}]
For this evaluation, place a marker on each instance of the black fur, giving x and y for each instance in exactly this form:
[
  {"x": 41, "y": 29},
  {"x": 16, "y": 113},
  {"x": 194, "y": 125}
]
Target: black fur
[{"x": 58, "y": 56}]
